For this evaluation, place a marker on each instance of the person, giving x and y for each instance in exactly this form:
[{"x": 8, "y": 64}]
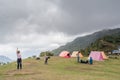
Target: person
[
  {"x": 91, "y": 60},
  {"x": 84, "y": 61},
  {"x": 19, "y": 59},
  {"x": 78, "y": 57},
  {"x": 46, "y": 59}
]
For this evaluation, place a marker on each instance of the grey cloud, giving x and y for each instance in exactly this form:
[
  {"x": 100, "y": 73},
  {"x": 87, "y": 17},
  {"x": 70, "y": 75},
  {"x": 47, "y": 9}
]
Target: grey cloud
[
  {"x": 91, "y": 14},
  {"x": 10, "y": 12},
  {"x": 67, "y": 16}
]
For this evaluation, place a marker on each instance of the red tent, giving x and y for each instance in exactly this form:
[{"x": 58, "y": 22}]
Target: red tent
[{"x": 65, "y": 54}]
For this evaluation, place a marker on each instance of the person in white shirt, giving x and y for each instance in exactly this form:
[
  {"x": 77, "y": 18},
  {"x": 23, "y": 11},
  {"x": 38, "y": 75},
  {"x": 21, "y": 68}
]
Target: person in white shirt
[{"x": 19, "y": 59}]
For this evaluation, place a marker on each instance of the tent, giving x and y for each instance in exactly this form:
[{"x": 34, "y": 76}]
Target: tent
[
  {"x": 74, "y": 54},
  {"x": 104, "y": 56},
  {"x": 65, "y": 54},
  {"x": 96, "y": 55}
]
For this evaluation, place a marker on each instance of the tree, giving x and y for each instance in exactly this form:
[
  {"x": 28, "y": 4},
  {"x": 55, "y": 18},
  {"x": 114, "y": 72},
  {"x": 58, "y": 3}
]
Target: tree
[
  {"x": 34, "y": 56},
  {"x": 47, "y": 53}
]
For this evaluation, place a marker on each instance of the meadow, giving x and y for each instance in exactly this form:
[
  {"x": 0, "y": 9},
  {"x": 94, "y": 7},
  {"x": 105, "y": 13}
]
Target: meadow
[{"x": 61, "y": 69}]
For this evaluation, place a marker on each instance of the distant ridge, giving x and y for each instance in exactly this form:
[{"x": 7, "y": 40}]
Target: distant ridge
[
  {"x": 4, "y": 59},
  {"x": 83, "y": 42}
]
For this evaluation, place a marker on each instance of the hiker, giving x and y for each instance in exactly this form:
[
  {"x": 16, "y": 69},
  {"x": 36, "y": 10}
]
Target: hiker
[
  {"x": 78, "y": 56},
  {"x": 46, "y": 59},
  {"x": 19, "y": 59},
  {"x": 91, "y": 60}
]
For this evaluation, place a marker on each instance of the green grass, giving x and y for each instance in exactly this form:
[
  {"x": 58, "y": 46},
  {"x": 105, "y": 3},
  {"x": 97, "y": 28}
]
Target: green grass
[{"x": 62, "y": 69}]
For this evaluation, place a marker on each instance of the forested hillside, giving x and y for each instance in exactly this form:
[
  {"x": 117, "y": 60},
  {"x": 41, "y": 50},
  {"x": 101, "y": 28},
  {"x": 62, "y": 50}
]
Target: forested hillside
[
  {"x": 106, "y": 43},
  {"x": 102, "y": 37}
]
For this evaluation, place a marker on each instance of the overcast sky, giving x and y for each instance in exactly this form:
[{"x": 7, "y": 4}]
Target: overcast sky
[{"x": 39, "y": 25}]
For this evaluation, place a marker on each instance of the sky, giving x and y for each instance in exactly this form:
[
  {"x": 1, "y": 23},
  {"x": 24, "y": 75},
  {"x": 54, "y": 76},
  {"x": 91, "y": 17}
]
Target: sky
[{"x": 34, "y": 26}]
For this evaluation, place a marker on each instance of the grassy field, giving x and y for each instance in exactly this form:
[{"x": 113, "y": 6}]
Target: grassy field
[{"x": 62, "y": 69}]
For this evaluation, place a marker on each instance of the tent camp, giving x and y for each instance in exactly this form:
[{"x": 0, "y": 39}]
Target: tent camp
[
  {"x": 74, "y": 54},
  {"x": 65, "y": 54},
  {"x": 98, "y": 55}
]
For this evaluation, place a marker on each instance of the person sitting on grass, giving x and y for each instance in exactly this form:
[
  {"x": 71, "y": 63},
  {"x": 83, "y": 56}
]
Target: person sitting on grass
[
  {"x": 91, "y": 60},
  {"x": 84, "y": 61}
]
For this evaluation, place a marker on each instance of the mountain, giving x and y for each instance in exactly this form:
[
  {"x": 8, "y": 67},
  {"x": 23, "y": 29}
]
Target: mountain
[
  {"x": 4, "y": 59},
  {"x": 83, "y": 42},
  {"x": 107, "y": 44}
]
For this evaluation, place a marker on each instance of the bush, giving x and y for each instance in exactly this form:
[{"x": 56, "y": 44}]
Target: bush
[{"x": 47, "y": 53}]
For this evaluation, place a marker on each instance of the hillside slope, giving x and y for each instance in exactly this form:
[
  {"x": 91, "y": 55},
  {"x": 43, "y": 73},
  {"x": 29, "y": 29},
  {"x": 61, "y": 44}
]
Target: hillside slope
[
  {"x": 61, "y": 69},
  {"x": 83, "y": 42}
]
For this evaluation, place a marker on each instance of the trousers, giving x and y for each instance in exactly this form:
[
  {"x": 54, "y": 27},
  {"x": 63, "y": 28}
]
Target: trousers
[{"x": 19, "y": 63}]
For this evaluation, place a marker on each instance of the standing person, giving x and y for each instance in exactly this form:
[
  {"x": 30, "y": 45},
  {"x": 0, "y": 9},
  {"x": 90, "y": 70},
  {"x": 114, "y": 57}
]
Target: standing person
[
  {"x": 19, "y": 59},
  {"x": 78, "y": 56}
]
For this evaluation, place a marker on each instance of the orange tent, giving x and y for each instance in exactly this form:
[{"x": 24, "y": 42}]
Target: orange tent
[
  {"x": 103, "y": 54},
  {"x": 74, "y": 54}
]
